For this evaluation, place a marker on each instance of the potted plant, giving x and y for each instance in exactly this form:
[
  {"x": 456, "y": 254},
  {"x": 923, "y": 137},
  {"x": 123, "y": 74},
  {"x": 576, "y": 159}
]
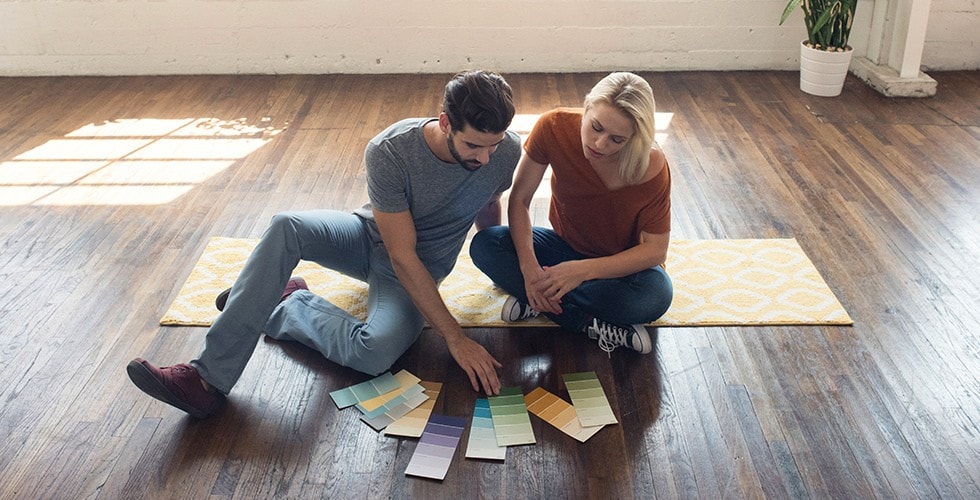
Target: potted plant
[{"x": 825, "y": 55}]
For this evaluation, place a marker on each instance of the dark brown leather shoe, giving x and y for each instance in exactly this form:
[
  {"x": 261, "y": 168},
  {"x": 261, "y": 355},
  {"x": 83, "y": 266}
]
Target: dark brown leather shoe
[
  {"x": 294, "y": 283},
  {"x": 178, "y": 385}
]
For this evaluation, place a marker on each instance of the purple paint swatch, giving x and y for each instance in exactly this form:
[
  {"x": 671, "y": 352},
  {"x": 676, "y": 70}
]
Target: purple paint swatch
[{"x": 436, "y": 448}]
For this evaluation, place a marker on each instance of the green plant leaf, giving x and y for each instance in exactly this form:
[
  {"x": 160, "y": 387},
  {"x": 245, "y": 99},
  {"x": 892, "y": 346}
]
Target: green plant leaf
[
  {"x": 828, "y": 22},
  {"x": 790, "y": 7},
  {"x": 822, "y": 20}
]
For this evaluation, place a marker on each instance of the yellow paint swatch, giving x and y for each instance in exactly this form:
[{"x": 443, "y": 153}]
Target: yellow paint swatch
[{"x": 559, "y": 413}]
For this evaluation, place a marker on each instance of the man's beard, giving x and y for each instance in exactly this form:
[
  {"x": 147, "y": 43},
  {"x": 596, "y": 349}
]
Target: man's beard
[{"x": 468, "y": 165}]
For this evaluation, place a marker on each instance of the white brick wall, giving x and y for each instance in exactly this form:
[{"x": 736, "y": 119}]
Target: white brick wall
[
  {"x": 111, "y": 37},
  {"x": 952, "y": 36}
]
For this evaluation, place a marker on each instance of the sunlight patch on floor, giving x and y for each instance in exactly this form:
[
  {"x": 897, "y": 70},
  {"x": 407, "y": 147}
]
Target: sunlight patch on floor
[{"x": 140, "y": 161}]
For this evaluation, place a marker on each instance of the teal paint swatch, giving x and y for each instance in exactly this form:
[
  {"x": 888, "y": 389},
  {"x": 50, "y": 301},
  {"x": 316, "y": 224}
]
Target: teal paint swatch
[
  {"x": 350, "y": 396},
  {"x": 482, "y": 442}
]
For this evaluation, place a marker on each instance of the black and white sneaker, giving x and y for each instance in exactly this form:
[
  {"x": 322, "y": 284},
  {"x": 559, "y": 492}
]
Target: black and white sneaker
[
  {"x": 611, "y": 336},
  {"x": 515, "y": 310}
]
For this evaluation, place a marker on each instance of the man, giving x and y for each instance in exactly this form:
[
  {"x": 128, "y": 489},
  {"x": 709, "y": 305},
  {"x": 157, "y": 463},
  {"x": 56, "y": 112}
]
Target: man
[{"x": 428, "y": 180}]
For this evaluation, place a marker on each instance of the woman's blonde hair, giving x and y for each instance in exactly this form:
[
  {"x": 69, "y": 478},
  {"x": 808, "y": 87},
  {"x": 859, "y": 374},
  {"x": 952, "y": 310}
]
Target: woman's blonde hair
[{"x": 633, "y": 96}]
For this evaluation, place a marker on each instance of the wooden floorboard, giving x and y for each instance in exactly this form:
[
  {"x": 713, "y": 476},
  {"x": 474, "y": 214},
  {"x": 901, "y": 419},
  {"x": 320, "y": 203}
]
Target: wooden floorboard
[{"x": 882, "y": 195}]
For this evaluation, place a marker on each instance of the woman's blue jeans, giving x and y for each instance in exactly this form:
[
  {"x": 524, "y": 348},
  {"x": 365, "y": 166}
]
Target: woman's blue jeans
[{"x": 641, "y": 297}]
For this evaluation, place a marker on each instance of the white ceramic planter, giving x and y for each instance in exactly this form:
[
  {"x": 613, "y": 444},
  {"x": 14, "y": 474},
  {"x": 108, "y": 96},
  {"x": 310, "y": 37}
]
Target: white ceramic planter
[{"x": 822, "y": 73}]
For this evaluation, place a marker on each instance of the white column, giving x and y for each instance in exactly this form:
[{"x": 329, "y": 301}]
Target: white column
[
  {"x": 895, "y": 44},
  {"x": 916, "y": 39}
]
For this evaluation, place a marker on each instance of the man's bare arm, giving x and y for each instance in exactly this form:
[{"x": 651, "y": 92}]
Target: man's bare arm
[{"x": 398, "y": 232}]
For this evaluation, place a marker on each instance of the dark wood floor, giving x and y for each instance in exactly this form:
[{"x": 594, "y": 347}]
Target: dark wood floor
[{"x": 881, "y": 193}]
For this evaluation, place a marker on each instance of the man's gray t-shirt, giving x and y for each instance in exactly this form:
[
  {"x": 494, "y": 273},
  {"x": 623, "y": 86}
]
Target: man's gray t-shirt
[{"x": 443, "y": 198}]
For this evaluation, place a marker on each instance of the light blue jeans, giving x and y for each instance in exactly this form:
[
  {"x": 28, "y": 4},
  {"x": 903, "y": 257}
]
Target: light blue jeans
[
  {"x": 336, "y": 240},
  {"x": 641, "y": 297}
]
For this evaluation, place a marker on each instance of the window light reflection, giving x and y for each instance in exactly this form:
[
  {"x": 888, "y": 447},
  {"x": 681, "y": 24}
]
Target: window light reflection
[{"x": 144, "y": 161}]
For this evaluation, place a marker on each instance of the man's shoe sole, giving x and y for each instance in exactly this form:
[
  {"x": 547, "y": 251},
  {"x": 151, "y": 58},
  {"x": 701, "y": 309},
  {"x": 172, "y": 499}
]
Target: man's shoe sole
[
  {"x": 222, "y": 299},
  {"x": 149, "y": 384}
]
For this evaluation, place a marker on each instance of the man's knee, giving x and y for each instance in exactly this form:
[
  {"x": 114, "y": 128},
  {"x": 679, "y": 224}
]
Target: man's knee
[
  {"x": 375, "y": 353},
  {"x": 284, "y": 221},
  {"x": 375, "y": 361},
  {"x": 374, "y": 365}
]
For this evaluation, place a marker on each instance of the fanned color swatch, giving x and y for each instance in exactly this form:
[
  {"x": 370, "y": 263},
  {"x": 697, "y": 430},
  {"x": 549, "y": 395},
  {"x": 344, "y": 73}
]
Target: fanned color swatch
[
  {"x": 511, "y": 422},
  {"x": 364, "y": 391},
  {"x": 405, "y": 381},
  {"x": 591, "y": 404},
  {"x": 559, "y": 413},
  {"x": 434, "y": 453},
  {"x": 482, "y": 442},
  {"x": 716, "y": 282},
  {"x": 396, "y": 408},
  {"x": 413, "y": 423}
]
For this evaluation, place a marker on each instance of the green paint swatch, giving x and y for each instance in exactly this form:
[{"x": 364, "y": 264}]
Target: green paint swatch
[
  {"x": 589, "y": 399},
  {"x": 511, "y": 422}
]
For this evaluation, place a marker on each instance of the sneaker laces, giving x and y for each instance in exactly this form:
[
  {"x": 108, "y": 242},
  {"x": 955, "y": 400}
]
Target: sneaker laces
[
  {"x": 527, "y": 312},
  {"x": 609, "y": 336}
]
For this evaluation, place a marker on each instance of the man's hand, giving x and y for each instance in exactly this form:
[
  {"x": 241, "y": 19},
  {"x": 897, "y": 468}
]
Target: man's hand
[{"x": 478, "y": 364}]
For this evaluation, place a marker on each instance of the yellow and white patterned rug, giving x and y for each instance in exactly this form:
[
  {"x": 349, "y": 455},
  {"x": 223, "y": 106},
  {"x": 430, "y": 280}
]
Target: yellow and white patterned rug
[{"x": 716, "y": 283}]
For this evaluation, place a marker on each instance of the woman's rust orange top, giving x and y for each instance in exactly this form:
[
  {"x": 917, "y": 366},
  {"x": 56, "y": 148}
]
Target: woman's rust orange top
[{"x": 594, "y": 220}]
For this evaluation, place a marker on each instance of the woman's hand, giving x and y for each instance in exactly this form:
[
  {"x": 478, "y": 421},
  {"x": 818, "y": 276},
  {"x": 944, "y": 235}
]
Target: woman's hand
[
  {"x": 555, "y": 281},
  {"x": 536, "y": 284}
]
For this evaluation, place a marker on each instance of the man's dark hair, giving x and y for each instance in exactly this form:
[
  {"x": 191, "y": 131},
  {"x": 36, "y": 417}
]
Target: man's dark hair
[{"x": 481, "y": 99}]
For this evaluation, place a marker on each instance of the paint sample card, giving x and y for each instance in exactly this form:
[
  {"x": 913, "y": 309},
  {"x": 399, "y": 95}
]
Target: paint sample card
[
  {"x": 364, "y": 391},
  {"x": 405, "y": 381},
  {"x": 413, "y": 423},
  {"x": 589, "y": 399},
  {"x": 436, "y": 447},
  {"x": 559, "y": 413},
  {"x": 511, "y": 422},
  {"x": 403, "y": 395},
  {"x": 395, "y": 409},
  {"x": 483, "y": 440}
]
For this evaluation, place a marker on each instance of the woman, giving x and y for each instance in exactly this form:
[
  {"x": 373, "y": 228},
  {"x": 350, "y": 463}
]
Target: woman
[{"x": 600, "y": 270}]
